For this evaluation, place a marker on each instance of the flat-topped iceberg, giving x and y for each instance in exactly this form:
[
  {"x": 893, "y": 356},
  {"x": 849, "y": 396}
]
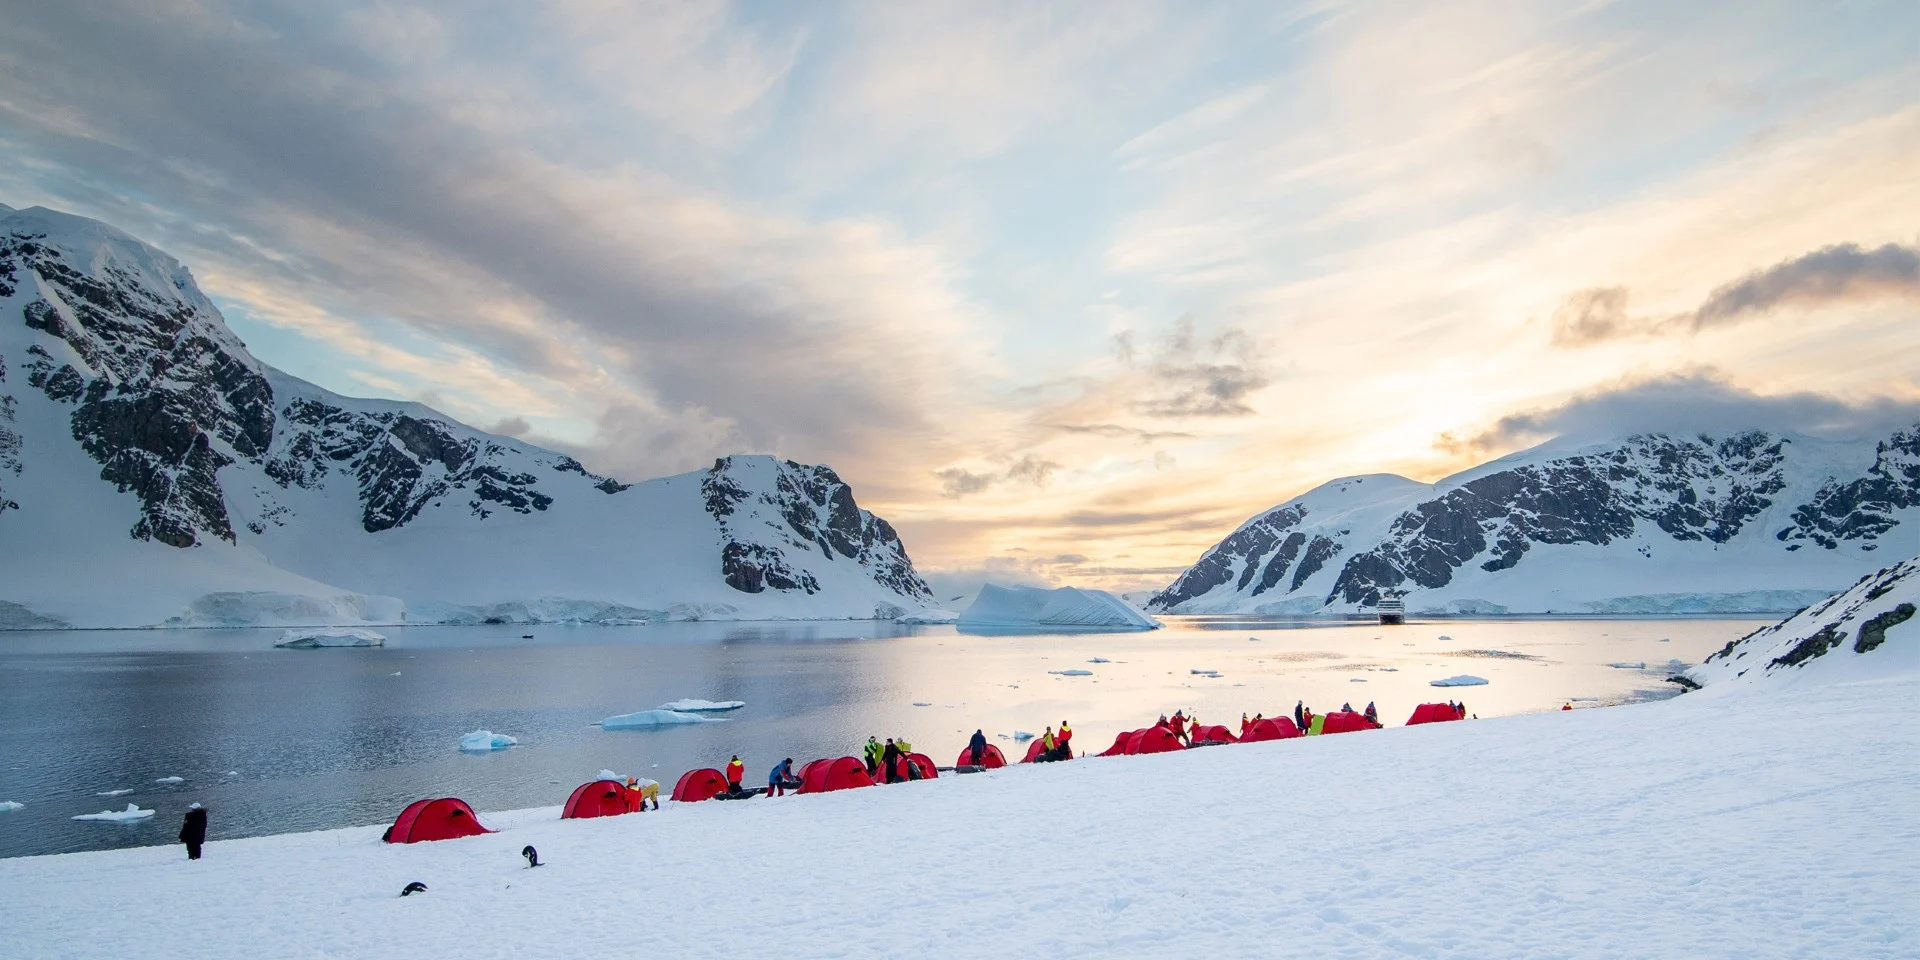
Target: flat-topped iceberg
[
  {"x": 132, "y": 812},
  {"x": 929, "y": 615},
  {"x": 483, "y": 741},
  {"x": 307, "y": 638},
  {"x": 691, "y": 705},
  {"x": 654, "y": 718},
  {"x": 1463, "y": 680},
  {"x": 1032, "y": 608}
]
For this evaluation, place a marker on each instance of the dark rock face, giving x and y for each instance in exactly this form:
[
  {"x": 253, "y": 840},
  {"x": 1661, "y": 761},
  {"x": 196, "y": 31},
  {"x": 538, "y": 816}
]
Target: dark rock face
[
  {"x": 1698, "y": 489},
  {"x": 816, "y": 512},
  {"x": 162, "y": 403},
  {"x": 1862, "y": 509},
  {"x": 10, "y": 464},
  {"x": 1873, "y": 633},
  {"x": 1243, "y": 550}
]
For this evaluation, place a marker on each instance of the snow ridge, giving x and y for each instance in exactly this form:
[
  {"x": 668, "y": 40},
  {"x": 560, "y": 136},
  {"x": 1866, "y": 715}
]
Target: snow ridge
[{"x": 1865, "y": 630}]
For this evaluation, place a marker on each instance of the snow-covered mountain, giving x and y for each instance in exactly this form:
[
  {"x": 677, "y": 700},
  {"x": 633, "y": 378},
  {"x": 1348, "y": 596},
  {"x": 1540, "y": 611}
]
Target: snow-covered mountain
[
  {"x": 1653, "y": 523},
  {"x": 1866, "y": 632},
  {"x": 153, "y": 471}
]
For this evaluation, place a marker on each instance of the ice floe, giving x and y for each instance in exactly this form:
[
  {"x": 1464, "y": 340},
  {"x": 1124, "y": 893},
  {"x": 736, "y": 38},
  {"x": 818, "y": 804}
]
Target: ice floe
[
  {"x": 1463, "y": 680},
  {"x": 702, "y": 706},
  {"x": 654, "y": 718},
  {"x": 1072, "y": 673},
  {"x": 10, "y": 805},
  {"x": 132, "y": 812},
  {"x": 171, "y": 780},
  {"x": 114, "y": 793},
  {"x": 1629, "y": 665},
  {"x": 483, "y": 741}
]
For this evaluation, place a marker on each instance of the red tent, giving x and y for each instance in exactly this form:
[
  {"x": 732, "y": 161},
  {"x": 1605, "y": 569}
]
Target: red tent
[
  {"x": 1034, "y": 750},
  {"x": 1154, "y": 739},
  {"x": 703, "y": 784},
  {"x": 601, "y": 798},
  {"x": 1214, "y": 734},
  {"x": 1433, "y": 713},
  {"x": 990, "y": 758},
  {"x": 921, "y": 765},
  {"x": 843, "y": 773},
  {"x": 1275, "y": 728},
  {"x": 442, "y": 819},
  {"x": 1343, "y": 721},
  {"x": 1119, "y": 744}
]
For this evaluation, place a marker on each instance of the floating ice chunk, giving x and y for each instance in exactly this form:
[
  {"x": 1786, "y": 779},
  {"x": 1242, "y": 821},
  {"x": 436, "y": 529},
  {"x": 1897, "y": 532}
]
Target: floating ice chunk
[
  {"x": 703, "y": 706},
  {"x": 654, "y": 718},
  {"x": 394, "y": 674},
  {"x": 918, "y": 703},
  {"x": 1204, "y": 673},
  {"x": 1254, "y": 639},
  {"x": 929, "y": 615},
  {"x": 482, "y": 741},
  {"x": 114, "y": 793},
  {"x": 1072, "y": 673},
  {"x": 132, "y": 812},
  {"x": 171, "y": 780},
  {"x": 1022, "y": 736},
  {"x": 10, "y": 805},
  {"x": 610, "y": 775},
  {"x": 1463, "y": 680},
  {"x": 311, "y": 637},
  {"x": 231, "y": 773},
  {"x": 1098, "y": 660},
  {"x": 1445, "y": 637},
  {"x": 1031, "y": 608},
  {"x": 1356, "y": 680},
  {"x": 1633, "y": 665}
]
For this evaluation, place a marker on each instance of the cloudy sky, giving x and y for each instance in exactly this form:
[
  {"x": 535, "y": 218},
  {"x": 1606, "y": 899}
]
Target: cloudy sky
[{"x": 1066, "y": 292}]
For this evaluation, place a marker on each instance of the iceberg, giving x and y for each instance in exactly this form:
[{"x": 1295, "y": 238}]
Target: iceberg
[
  {"x": 1032, "y": 608},
  {"x": 483, "y": 741},
  {"x": 1634, "y": 665},
  {"x": 1072, "y": 673},
  {"x": 929, "y": 615},
  {"x": 311, "y": 638},
  {"x": 7, "y": 806},
  {"x": 1098, "y": 660},
  {"x": 654, "y": 718},
  {"x": 702, "y": 706},
  {"x": 132, "y": 812},
  {"x": 1463, "y": 680},
  {"x": 171, "y": 780},
  {"x": 114, "y": 793}
]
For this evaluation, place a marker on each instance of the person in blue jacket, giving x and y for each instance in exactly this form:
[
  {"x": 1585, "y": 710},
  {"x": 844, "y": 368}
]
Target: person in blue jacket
[{"x": 777, "y": 778}]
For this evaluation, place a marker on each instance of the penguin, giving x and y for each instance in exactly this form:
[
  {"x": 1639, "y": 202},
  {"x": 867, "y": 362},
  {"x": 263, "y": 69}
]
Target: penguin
[
  {"x": 414, "y": 887},
  {"x": 532, "y": 855}
]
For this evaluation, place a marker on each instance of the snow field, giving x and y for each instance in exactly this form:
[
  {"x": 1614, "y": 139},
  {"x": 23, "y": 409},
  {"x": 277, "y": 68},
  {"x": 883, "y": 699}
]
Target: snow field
[{"x": 1755, "y": 825}]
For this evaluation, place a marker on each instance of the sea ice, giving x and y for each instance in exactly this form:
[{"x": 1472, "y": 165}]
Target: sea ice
[
  {"x": 1204, "y": 673},
  {"x": 308, "y": 638},
  {"x": 483, "y": 741},
  {"x": 1463, "y": 680},
  {"x": 654, "y": 718},
  {"x": 1022, "y": 736},
  {"x": 132, "y": 812},
  {"x": 1072, "y": 673},
  {"x": 114, "y": 793},
  {"x": 171, "y": 780},
  {"x": 1099, "y": 660},
  {"x": 1634, "y": 665},
  {"x": 1031, "y": 608},
  {"x": 8, "y": 805},
  {"x": 918, "y": 703},
  {"x": 703, "y": 706}
]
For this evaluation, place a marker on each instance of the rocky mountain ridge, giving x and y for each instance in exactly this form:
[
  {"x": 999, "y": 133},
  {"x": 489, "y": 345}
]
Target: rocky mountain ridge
[
  {"x": 1754, "y": 520},
  {"x": 118, "y": 375}
]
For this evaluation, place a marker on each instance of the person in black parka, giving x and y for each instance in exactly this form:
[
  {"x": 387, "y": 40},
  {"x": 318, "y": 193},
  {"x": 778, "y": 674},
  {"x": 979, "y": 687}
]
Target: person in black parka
[
  {"x": 193, "y": 832},
  {"x": 977, "y": 748}
]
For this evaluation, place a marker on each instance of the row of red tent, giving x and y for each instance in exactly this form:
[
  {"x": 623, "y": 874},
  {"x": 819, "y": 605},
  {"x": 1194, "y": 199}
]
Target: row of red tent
[{"x": 449, "y": 817}]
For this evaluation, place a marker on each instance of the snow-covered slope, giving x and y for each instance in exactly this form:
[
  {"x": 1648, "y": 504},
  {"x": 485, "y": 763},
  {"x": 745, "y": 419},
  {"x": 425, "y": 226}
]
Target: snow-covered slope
[
  {"x": 153, "y": 471},
  {"x": 1750, "y": 521},
  {"x": 1868, "y": 631}
]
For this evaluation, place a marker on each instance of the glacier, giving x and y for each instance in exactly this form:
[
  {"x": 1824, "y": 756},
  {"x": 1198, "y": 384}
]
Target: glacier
[{"x": 1000, "y": 608}]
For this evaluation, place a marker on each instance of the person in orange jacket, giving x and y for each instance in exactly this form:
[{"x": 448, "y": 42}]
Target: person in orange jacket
[
  {"x": 1179, "y": 725},
  {"x": 1062, "y": 743},
  {"x": 735, "y": 771}
]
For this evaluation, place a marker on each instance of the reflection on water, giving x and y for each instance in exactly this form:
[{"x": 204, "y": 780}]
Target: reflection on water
[{"x": 281, "y": 740}]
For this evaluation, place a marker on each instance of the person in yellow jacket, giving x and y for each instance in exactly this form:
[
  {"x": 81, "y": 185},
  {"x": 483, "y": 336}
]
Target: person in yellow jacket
[{"x": 735, "y": 771}]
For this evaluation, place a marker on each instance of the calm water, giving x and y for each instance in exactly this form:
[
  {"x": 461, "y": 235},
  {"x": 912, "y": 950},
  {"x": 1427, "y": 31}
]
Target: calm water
[{"x": 284, "y": 740}]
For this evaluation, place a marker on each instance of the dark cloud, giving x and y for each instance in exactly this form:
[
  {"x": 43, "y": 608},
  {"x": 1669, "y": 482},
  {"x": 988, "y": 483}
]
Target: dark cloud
[
  {"x": 1190, "y": 374},
  {"x": 956, "y": 482},
  {"x": 264, "y": 129},
  {"x": 1842, "y": 273},
  {"x": 1691, "y": 403}
]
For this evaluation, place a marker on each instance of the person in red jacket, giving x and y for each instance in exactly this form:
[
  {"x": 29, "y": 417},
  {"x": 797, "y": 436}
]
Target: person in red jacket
[
  {"x": 1179, "y": 726},
  {"x": 735, "y": 770}
]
